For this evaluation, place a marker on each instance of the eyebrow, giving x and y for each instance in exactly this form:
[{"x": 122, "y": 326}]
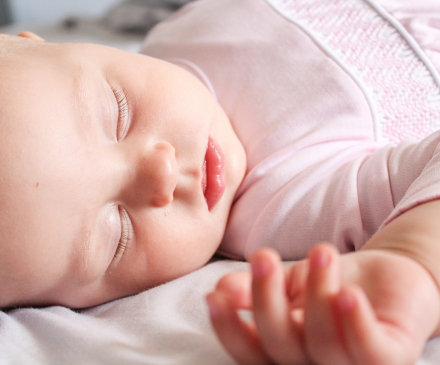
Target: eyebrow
[
  {"x": 81, "y": 261},
  {"x": 79, "y": 81},
  {"x": 85, "y": 254},
  {"x": 81, "y": 96},
  {"x": 89, "y": 257}
]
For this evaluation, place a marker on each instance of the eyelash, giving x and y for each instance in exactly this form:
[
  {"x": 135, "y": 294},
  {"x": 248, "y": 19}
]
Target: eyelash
[
  {"x": 126, "y": 233},
  {"x": 121, "y": 132},
  {"x": 122, "y": 126}
]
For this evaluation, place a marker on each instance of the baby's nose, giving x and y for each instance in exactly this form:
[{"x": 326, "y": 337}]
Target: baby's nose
[{"x": 160, "y": 174}]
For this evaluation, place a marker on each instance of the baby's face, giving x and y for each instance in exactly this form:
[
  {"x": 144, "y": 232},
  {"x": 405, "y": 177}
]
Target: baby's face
[{"x": 118, "y": 173}]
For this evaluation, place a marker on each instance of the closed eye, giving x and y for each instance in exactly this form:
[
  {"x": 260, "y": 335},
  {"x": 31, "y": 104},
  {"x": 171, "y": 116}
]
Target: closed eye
[
  {"x": 126, "y": 233},
  {"x": 123, "y": 113}
]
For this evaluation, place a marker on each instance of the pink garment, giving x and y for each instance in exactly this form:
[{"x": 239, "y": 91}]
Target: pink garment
[
  {"x": 321, "y": 93},
  {"x": 422, "y": 20}
]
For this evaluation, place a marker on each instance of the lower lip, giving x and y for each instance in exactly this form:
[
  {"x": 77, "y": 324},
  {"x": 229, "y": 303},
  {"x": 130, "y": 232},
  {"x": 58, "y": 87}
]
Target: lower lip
[{"x": 213, "y": 181}]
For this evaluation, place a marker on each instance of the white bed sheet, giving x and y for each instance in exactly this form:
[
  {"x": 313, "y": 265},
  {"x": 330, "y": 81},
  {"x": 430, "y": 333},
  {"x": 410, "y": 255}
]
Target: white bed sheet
[{"x": 165, "y": 325}]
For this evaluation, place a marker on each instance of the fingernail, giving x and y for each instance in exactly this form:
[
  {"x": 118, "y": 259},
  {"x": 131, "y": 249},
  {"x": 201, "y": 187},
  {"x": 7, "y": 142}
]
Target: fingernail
[
  {"x": 260, "y": 268},
  {"x": 346, "y": 300},
  {"x": 320, "y": 259}
]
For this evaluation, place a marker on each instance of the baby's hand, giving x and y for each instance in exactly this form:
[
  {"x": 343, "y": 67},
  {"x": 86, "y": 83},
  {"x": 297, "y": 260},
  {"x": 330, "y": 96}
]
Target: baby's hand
[{"x": 367, "y": 307}]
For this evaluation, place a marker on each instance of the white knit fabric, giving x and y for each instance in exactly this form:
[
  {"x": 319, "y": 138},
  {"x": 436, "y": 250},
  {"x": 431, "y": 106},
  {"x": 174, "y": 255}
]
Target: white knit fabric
[{"x": 399, "y": 81}]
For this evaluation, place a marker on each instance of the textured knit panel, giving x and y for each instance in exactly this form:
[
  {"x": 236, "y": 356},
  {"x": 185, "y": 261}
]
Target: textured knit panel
[{"x": 400, "y": 83}]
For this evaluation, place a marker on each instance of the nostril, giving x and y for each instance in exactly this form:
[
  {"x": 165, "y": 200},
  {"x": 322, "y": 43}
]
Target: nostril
[
  {"x": 162, "y": 200},
  {"x": 164, "y": 173},
  {"x": 165, "y": 147}
]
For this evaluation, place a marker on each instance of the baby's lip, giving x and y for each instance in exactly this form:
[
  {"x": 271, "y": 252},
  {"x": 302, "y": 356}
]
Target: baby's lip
[{"x": 213, "y": 173}]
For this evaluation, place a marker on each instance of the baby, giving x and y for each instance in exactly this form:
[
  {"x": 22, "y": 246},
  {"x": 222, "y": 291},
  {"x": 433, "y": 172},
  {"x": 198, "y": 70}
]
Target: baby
[
  {"x": 109, "y": 185},
  {"x": 119, "y": 172}
]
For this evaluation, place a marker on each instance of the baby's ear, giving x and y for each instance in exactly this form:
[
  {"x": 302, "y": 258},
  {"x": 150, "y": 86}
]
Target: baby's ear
[{"x": 30, "y": 35}]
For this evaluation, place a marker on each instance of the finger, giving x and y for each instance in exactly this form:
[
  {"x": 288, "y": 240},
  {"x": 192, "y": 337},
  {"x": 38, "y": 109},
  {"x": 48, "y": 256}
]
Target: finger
[
  {"x": 323, "y": 340},
  {"x": 237, "y": 285},
  {"x": 238, "y": 337},
  {"x": 279, "y": 337},
  {"x": 369, "y": 341},
  {"x": 296, "y": 282}
]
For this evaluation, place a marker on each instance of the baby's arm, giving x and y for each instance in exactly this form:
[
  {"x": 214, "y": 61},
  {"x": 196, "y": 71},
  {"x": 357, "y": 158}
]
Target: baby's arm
[
  {"x": 375, "y": 306},
  {"x": 416, "y": 235}
]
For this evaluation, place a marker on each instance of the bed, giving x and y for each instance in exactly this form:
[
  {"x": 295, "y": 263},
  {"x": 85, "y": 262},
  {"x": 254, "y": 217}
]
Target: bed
[{"x": 165, "y": 325}]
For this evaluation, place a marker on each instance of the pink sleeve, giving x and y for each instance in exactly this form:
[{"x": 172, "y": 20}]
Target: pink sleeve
[{"x": 414, "y": 172}]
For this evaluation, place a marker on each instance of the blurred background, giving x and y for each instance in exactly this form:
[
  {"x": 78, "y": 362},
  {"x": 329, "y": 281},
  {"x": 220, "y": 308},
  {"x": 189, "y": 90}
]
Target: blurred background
[
  {"x": 39, "y": 11},
  {"x": 117, "y": 23}
]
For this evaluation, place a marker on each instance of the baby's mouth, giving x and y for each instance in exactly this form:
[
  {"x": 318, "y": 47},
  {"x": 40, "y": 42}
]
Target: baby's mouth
[{"x": 213, "y": 173}]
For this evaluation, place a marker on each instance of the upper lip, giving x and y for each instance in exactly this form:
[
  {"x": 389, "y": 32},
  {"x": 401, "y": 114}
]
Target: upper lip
[{"x": 213, "y": 173}]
